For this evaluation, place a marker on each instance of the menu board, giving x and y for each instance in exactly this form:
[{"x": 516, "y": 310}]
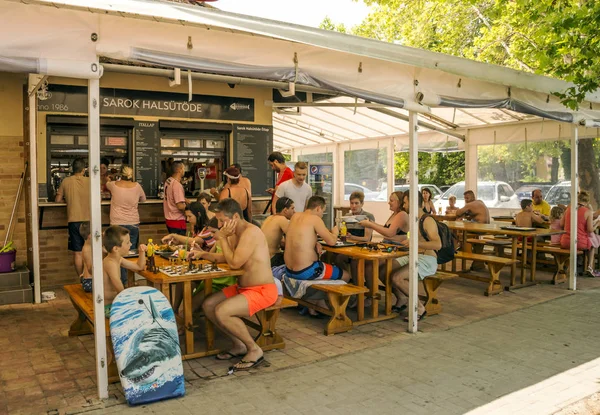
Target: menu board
[
  {"x": 252, "y": 145},
  {"x": 147, "y": 163}
]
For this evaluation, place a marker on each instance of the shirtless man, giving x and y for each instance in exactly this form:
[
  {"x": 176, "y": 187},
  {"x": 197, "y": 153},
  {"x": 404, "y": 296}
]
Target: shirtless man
[
  {"x": 275, "y": 227},
  {"x": 254, "y": 291},
  {"x": 426, "y": 262},
  {"x": 301, "y": 257},
  {"x": 475, "y": 211}
]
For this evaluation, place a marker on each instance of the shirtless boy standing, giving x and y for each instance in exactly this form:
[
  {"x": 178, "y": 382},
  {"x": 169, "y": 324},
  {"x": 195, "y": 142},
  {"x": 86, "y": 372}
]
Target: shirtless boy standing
[
  {"x": 254, "y": 291},
  {"x": 116, "y": 241},
  {"x": 301, "y": 259},
  {"x": 275, "y": 227},
  {"x": 527, "y": 217}
]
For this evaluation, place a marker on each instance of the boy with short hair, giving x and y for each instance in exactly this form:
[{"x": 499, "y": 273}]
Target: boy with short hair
[
  {"x": 86, "y": 251},
  {"x": 526, "y": 217},
  {"x": 117, "y": 242}
]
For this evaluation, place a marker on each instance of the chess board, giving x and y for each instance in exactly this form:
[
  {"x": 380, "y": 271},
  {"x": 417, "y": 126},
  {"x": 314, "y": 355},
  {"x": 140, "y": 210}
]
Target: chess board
[{"x": 183, "y": 270}]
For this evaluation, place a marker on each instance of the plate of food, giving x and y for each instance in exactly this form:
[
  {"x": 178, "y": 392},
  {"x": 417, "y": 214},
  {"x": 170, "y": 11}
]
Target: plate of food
[{"x": 338, "y": 244}]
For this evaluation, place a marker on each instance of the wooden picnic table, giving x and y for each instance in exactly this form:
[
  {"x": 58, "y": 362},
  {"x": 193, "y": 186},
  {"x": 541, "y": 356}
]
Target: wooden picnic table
[
  {"x": 510, "y": 219},
  {"x": 362, "y": 254},
  {"x": 163, "y": 282},
  {"x": 494, "y": 229}
]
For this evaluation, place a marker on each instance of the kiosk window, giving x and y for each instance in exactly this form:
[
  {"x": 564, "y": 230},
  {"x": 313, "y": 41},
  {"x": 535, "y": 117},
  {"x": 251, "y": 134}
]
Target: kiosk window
[
  {"x": 192, "y": 143},
  {"x": 170, "y": 142},
  {"x": 62, "y": 139}
]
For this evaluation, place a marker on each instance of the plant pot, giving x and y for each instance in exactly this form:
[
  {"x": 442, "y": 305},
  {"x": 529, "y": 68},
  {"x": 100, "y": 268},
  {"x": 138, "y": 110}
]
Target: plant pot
[{"x": 7, "y": 261}]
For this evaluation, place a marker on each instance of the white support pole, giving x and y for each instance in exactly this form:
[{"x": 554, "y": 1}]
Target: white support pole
[
  {"x": 96, "y": 232},
  {"x": 413, "y": 290},
  {"x": 391, "y": 175},
  {"x": 33, "y": 191},
  {"x": 471, "y": 165},
  {"x": 338, "y": 172},
  {"x": 574, "y": 208}
]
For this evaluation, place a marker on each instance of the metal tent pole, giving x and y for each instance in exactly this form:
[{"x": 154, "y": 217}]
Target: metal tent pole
[
  {"x": 96, "y": 232},
  {"x": 413, "y": 291},
  {"x": 574, "y": 208}
]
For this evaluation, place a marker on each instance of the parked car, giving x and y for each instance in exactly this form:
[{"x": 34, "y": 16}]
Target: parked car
[
  {"x": 435, "y": 191},
  {"x": 353, "y": 187},
  {"x": 559, "y": 194},
  {"x": 493, "y": 194},
  {"x": 524, "y": 192}
]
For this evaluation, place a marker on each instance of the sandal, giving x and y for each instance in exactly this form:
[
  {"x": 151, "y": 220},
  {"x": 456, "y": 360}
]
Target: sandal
[
  {"x": 228, "y": 356},
  {"x": 253, "y": 364},
  {"x": 399, "y": 309},
  {"x": 419, "y": 318}
]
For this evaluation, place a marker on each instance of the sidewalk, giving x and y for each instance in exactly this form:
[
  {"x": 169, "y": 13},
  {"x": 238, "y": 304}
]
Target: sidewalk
[{"x": 488, "y": 362}]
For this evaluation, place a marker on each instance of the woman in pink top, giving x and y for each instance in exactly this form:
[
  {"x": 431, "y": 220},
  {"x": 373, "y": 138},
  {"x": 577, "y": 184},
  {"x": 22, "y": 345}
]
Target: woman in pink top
[
  {"x": 126, "y": 194},
  {"x": 585, "y": 225}
]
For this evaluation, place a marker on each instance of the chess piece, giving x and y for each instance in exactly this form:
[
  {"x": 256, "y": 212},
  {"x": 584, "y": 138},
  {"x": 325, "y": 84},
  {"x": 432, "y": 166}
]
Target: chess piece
[
  {"x": 215, "y": 267},
  {"x": 150, "y": 257}
]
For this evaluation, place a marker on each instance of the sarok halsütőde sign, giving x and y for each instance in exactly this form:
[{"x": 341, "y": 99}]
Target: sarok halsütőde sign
[{"x": 73, "y": 99}]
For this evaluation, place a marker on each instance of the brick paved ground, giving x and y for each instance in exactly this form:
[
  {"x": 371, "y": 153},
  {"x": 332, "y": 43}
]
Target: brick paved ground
[
  {"x": 42, "y": 369},
  {"x": 438, "y": 372}
]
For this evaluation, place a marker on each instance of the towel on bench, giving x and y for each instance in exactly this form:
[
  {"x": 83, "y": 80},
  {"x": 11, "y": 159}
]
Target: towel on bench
[{"x": 297, "y": 288}]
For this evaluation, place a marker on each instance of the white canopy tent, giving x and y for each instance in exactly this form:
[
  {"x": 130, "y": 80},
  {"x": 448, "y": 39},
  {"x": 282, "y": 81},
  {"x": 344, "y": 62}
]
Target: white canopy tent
[{"x": 386, "y": 89}]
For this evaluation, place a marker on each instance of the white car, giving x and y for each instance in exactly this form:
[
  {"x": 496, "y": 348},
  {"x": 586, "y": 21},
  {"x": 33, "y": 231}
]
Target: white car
[
  {"x": 435, "y": 191},
  {"x": 560, "y": 193},
  {"x": 493, "y": 194},
  {"x": 370, "y": 195}
]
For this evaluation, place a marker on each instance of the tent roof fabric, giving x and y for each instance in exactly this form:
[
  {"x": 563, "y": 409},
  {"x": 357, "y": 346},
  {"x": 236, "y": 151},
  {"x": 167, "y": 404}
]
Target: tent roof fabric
[{"x": 479, "y": 94}]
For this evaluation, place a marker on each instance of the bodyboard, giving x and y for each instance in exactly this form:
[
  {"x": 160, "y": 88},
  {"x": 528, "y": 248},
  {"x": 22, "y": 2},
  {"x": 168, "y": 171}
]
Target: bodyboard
[{"x": 146, "y": 346}]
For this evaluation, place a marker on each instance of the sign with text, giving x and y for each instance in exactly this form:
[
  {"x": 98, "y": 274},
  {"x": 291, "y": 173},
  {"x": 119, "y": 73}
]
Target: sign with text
[
  {"x": 252, "y": 145},
  {"x": 147, "y": 163},
  {"x": 73, "y": 99}
]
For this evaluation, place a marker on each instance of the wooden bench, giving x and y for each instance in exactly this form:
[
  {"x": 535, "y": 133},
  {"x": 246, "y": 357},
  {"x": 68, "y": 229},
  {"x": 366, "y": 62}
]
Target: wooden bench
[
  {"x": 431, "y": 284},
  {"x": 561, "y": 260},
  {"x": 495, "y": 265},
  {"x": 338, "y": 296},
  {"x": 268, "y": 338},
  {"x": 84, "y": 324},
  {"x": 498, "y": 244}
]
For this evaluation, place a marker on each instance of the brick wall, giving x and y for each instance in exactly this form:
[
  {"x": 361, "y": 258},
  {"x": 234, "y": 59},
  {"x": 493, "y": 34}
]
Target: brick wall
[{"x": 12, "y": 160}]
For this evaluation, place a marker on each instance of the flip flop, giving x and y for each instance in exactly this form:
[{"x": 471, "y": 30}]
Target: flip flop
[
  {"x": 400, "y": 309},
  {"x": 254, "y": 364},
  {"x": 228, "y": 356},
  {"x": 421, "y": 317}
]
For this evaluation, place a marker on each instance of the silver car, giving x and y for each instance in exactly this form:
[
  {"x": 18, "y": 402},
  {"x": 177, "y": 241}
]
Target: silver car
[{"x": 493, "y": 194}]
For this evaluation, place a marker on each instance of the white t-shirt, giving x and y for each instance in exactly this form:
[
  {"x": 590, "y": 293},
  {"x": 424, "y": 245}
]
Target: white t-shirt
[{"x": 299, "y": 195}]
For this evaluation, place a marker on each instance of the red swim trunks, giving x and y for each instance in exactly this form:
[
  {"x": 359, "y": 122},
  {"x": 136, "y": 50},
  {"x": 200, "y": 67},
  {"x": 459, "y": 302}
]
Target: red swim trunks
[{"x": 259, "y": 297}]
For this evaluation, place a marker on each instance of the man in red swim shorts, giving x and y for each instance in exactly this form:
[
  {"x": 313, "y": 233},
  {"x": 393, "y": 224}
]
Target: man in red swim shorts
[{"x": 254, "y": 291}]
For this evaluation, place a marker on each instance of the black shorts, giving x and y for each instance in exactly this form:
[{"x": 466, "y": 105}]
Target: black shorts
[
  {"x": 75, "y": 240},
  {"x": 277, "y": 260}
]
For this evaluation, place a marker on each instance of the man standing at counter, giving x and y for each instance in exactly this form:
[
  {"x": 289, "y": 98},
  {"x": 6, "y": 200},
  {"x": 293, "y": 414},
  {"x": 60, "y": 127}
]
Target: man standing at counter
[
  {"x": 75, "y": 191},
  {"x": 175, "y": 201},
  {"x": 284, "y": 173}
]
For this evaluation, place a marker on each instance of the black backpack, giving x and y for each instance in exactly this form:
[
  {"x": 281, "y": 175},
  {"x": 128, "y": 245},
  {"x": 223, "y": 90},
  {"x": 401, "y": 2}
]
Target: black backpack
[{"x": 446, "y": 252}]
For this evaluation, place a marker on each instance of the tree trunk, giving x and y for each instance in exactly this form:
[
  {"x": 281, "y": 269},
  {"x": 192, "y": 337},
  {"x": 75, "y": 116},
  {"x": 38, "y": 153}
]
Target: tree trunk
[
  {"x": 565, "y": 157},
  {"x": 554, "y": 170},
  {"x": 588, "y": 171}
]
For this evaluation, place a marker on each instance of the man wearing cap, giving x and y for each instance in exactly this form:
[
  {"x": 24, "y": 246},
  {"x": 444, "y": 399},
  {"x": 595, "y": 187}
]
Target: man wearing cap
[
  {"x": 237, "y": 192},
  {"x": 540, "y": 206},
  {"x": 244, "y": 182},
  {"x": 296, "y": 189},
  {"x": 284, "y": 173}
]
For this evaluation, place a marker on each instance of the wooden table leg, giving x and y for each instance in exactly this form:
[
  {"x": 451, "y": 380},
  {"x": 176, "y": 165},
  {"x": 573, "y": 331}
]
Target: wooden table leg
[
  {"x": 463, "y": 265},
  {"x": 210, "y": 329},
  {"x": 360, "y": 281},
  {"x": 165, "y": 289},
  {"x": 562, "y": 267},
  {"x": 375, "y": 289},
  {"x": 187, "y": 315},
  {"x": 130, "y": 278},
  {"x": 388, "y": 287},
  {"x": 513, "y": 267},
  {"x": 533, "y": 258},
  {"x": 524, "y": 261}
]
